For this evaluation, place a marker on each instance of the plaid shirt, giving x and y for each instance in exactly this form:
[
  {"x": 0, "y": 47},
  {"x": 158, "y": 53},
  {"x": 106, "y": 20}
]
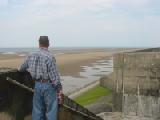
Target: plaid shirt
[{"x": 42, "y": 65}]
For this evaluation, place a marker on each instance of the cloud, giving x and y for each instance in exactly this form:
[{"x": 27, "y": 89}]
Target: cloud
[
  {"x": 67, "y": 8},
  {"x": 42, "y": 10},
  {"x": 133, "y": 2},
  {"x": 119, "y": 22},
  {"x": 70, "y": 6},
  {"x": 3, "y": 3}
]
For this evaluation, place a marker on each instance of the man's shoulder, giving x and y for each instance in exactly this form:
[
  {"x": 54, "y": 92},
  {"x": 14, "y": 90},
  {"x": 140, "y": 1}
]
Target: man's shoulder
[
  {"x": 46, "y": 55},
  {"x": 33, "y": 54}
]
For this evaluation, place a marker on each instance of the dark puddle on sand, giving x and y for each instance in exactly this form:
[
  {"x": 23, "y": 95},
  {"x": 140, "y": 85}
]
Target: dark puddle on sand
[{"x": 88, "y": 75}]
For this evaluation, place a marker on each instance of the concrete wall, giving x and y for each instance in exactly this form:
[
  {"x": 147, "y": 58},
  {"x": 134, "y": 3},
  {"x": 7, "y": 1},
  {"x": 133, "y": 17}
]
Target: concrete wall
[
  {"x": 132, "y": 68},
  {"x": 149, "y": 50},
  {"x": 135, "y": 82},
  {"x": 140, "y": 105},
  {"x": 139, "y": 68},
  {"x": 16, "y": 102},
  {"x": 107, "y": 81}
]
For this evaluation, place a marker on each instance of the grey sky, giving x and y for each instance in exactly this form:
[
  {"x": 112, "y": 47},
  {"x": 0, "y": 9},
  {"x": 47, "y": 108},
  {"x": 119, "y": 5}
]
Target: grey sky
[{"x": 80, "y": 23}]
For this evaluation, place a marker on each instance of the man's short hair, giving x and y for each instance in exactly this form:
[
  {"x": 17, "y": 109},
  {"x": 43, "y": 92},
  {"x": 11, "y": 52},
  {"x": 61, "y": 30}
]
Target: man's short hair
[{"x": 43, "y": 40}]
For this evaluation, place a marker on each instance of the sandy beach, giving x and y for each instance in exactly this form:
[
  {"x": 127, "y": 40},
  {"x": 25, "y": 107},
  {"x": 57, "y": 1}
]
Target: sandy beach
[
  {"x": 78, "y": 69},
  {"x": 69, "y": 64}
]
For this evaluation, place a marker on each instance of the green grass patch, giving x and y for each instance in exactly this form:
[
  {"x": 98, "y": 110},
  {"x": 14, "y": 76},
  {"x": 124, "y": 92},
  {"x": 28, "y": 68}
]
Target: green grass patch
[{"x": 92, "y": 95}]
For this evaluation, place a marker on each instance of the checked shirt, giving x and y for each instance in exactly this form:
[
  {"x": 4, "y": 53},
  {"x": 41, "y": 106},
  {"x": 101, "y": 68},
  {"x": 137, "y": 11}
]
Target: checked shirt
[{"x": 42, "y": 66}]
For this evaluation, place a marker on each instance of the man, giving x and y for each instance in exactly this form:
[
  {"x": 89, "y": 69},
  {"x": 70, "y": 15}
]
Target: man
[{"x": 42, "y": 67}]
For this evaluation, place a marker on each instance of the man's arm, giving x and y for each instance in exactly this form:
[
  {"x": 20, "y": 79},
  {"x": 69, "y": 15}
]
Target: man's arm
[
  {"x": 24, "y": 66},
  {"x": 55, "y": 78},
  {"x": 54, "y": 74}
]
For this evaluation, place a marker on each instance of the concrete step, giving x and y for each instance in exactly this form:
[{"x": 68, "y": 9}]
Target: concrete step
[
  {"x": 111, "y": 115},
  {"x": 120, "y": 116}
]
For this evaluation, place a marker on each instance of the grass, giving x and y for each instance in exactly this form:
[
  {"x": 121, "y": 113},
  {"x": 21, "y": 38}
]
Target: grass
[{"x": 92, "y": 95}]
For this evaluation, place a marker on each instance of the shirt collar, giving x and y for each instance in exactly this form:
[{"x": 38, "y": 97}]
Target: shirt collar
[{"x": 43, "y": 48}]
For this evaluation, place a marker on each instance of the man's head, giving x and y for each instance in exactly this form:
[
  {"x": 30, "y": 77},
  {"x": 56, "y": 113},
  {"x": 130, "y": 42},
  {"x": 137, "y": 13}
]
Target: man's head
[{"x": 44, "y": 41}]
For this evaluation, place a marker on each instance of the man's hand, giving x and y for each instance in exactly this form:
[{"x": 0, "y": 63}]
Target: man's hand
[{"x": 60, "y": 97}]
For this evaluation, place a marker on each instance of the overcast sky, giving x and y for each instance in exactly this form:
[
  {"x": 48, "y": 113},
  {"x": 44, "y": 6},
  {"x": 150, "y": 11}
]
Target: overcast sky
[{"x": 80, "y": 23}]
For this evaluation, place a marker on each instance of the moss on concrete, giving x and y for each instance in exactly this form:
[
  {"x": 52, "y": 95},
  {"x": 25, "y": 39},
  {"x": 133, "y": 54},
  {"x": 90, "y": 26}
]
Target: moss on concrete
[{"x": 92, "y": 95}]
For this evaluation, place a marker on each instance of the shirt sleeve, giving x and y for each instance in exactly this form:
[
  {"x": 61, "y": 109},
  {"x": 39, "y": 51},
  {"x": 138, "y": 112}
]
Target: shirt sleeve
[
  {"x": 24, "y": 66},
  {"x": 53, "y": 73}
]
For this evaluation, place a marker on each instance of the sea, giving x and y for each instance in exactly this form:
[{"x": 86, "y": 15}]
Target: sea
[
  {"x": 56, "y": 50},
  {"x": 25, "y": 51}
]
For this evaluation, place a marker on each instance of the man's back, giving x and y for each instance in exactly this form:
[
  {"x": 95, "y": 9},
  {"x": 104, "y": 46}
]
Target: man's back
[
  {"x": 47, "y": 94},
  {"x": 42, "y": 66},
  {"x": 38, "y": 64}
]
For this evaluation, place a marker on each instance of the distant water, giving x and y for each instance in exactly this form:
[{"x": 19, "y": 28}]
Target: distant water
[
  {"x": 62, "y": 50},
  {"x": 90, "y": 74},
  {"x": 16, "y": 50},
  {"x": 25, "y": 51}
]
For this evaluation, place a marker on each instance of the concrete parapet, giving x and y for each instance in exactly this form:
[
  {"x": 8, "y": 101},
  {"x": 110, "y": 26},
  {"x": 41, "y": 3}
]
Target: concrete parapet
[
  {"x": 149, "y": 50},
  {"x": 16, "y": 102},
  {"x": 137, "y": 83},
  {"x": 142, "y": 106},
  {"x": 133, "y": 70}
]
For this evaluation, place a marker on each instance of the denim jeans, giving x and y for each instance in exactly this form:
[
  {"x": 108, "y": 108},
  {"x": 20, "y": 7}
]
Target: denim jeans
[{"x": 45, "y": 104}]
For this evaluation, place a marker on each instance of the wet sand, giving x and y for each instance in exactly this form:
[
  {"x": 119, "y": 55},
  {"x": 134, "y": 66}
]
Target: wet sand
[
  {"x": 78, "y": 70},
  {"x": 68, "y": 64}
]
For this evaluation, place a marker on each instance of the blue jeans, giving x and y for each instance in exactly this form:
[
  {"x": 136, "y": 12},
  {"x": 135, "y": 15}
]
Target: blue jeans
[{"x": 45, "y": 105}]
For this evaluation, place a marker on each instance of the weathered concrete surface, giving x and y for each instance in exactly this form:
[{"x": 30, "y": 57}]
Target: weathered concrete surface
[
  {"x": 111, "y": 115},
  {"x": 136, "y": 84},
  {"x": 107, "y": 81},
  {"x": 149, "y": 50},
  {"x": 104, "y": 104},
  {"x": 120, "y": 116},
  {"x": 143, "y": 106},
  {"x": 16, "y": 102},
  {"x": 131, "y": 69}
]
